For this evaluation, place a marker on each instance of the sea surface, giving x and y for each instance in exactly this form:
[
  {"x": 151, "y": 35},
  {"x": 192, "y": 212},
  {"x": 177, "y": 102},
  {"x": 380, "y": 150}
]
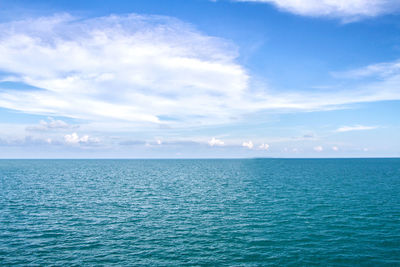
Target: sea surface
[{"x": 245, "y": 212}]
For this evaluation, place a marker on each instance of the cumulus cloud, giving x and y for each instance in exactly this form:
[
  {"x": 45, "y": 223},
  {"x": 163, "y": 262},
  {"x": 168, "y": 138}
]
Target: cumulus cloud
[
  {"x": 335, "y": 148},
  {"x": 348, "y": 10},
  {"x": 264, "y": 146},
  {"x": 318, "y": 148},
  {"x": 355, "y": 128},
  {"x": 248, "y": 144},
  {"x": 74, "y": 138},
  {"x": 216, "y": 142},
  {"x": 51, "y": 124}
]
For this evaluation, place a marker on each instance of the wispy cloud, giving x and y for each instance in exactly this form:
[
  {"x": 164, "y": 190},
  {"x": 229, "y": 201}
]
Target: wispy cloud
[
  {"x": 384, "y": 69},
  {"x": 143, "y": 70},
  {"x": 28, "y": 141},
  {"x": 51, "y": 124},
  {"x": 132, "y": 143},
  {"x": 132, "y": 68},
  {"x": 347, "y": 10},
  {"x": 355, "y": 128}
]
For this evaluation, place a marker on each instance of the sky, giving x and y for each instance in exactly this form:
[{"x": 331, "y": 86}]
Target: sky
[{"x": 200, "y": 79}]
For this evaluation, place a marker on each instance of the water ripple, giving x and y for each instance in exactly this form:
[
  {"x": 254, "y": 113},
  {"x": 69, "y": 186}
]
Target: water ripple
[{"x": 200, "y": 212}]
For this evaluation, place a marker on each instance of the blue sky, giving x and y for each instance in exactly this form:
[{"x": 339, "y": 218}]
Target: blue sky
[{"x": 199, "y": 78}]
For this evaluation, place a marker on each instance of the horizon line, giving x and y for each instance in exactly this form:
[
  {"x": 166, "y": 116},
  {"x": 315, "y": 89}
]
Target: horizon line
[{"x": 397, "y": 157}]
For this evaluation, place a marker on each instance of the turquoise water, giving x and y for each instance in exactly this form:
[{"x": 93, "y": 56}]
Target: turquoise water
[{"x": 252, "y": 212}]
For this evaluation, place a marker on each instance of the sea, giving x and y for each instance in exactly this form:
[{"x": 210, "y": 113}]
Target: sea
[{"x": 200, "y": 212}]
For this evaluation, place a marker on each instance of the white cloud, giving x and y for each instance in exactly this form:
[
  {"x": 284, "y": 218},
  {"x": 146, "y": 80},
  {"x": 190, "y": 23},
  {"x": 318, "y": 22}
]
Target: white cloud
[
  {"x": 216, "y": 142},
  {"x": 51, "y": 124},
  {"x": 132, "y": 68},
  {"x": 355, "y": 128},
  {"x": 26, "y": 141},
  {"x": 264, "y": 146},
  {"x": 348, "y": 10},
  {"x": 136, "y": 71},
  {"x": 380, "y": 70},
  {"x": 318, "y": 148},
  {"x": 75, "y": 139},
  {"x": 335, "y": 148},
  {"x": 248, "y": 144},
  {"x": 159, "y": 142},
  {"x": 376, "y": 82}
]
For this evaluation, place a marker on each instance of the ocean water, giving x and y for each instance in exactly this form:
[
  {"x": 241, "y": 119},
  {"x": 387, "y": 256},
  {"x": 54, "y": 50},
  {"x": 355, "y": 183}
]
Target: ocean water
[{"x": 250, "y": 212}]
